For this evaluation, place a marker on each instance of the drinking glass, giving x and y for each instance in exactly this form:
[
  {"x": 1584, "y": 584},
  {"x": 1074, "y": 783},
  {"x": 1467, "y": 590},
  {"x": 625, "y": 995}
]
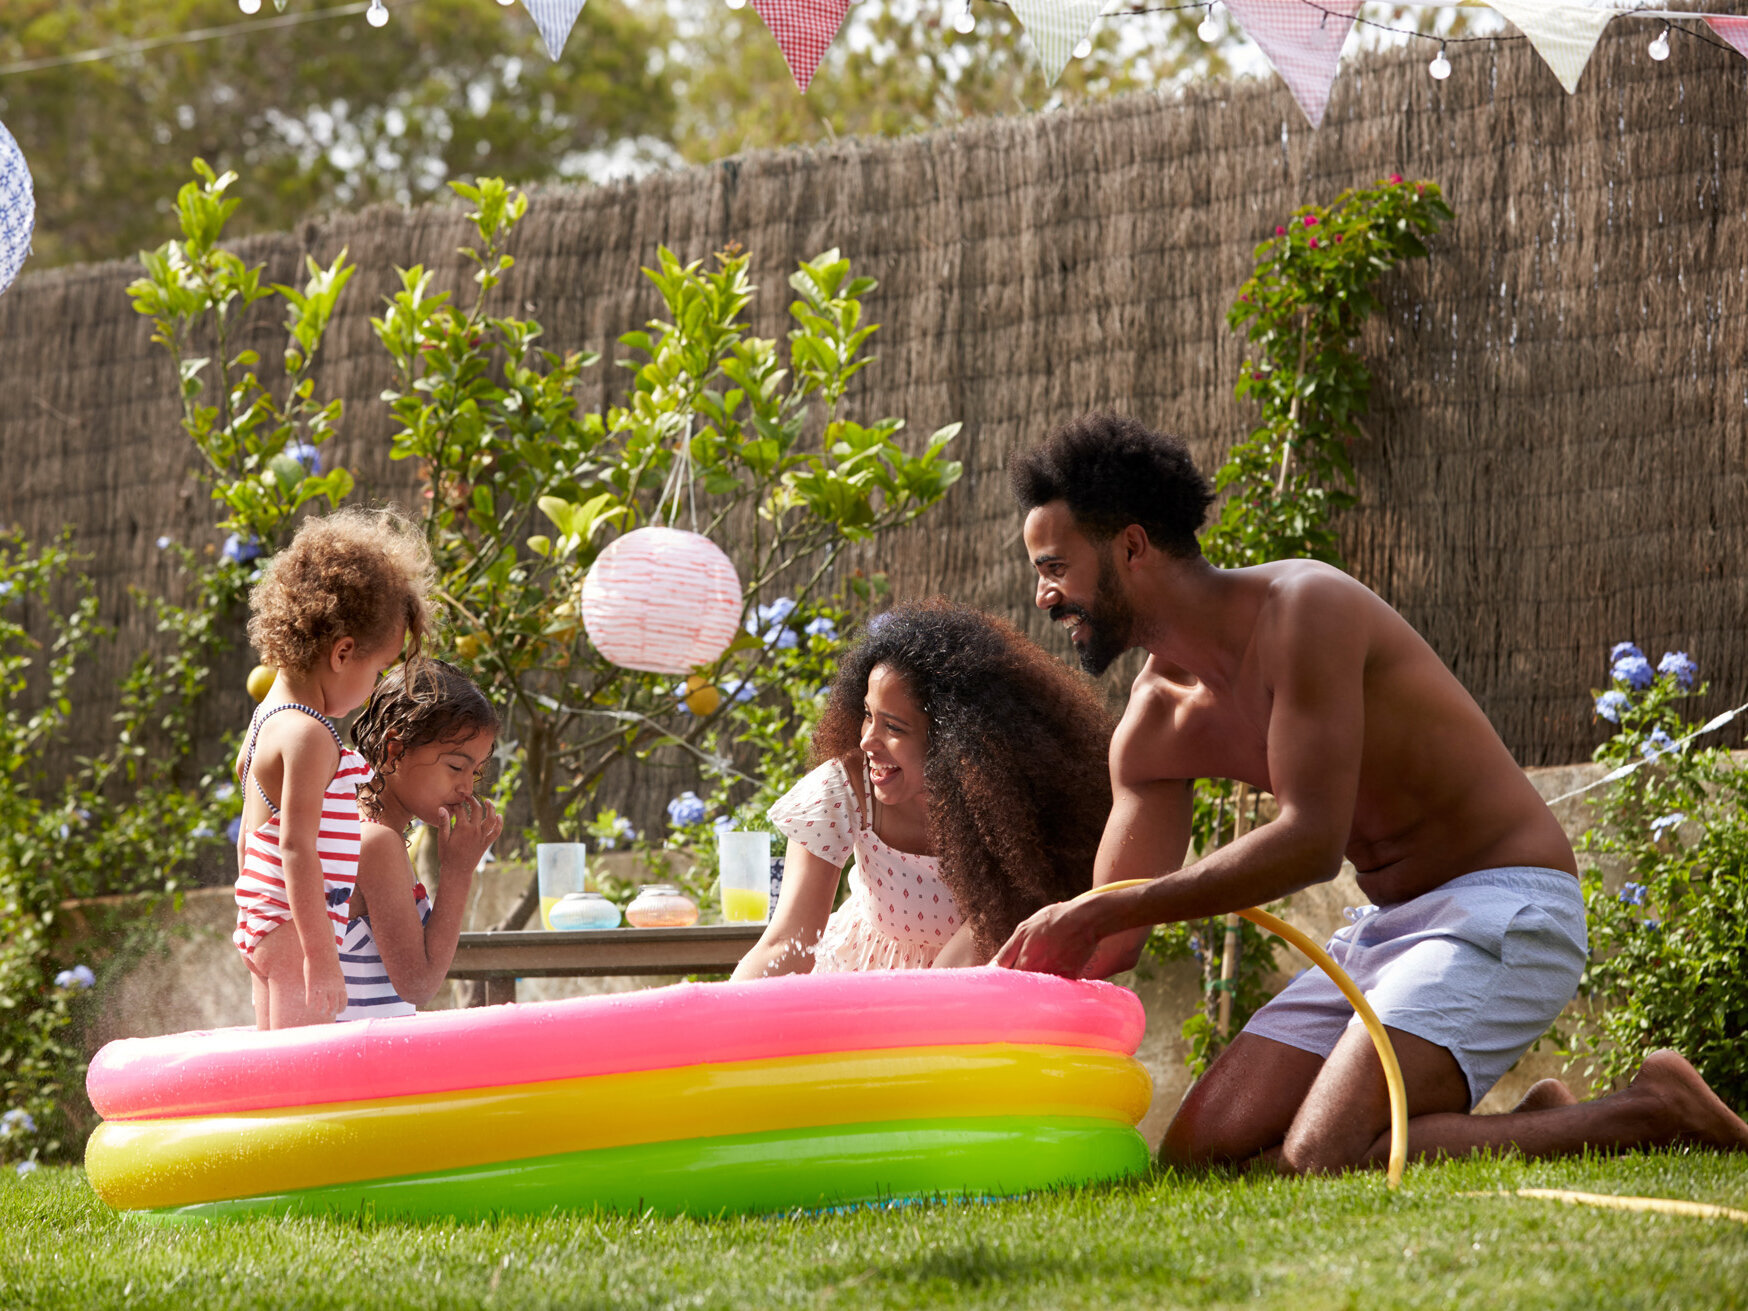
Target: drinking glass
[
  {"x": 562, "y": 870},
  {"x": 745, "y": 863}
]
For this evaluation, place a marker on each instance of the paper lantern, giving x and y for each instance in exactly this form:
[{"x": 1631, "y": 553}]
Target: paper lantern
[
  {"x": 663, "y": 600},
  {"x": 17, "y": 208}
]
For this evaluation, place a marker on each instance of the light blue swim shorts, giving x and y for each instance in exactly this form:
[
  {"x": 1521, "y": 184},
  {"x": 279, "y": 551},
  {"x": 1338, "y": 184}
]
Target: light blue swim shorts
[{"x": 1480, "y": 966}]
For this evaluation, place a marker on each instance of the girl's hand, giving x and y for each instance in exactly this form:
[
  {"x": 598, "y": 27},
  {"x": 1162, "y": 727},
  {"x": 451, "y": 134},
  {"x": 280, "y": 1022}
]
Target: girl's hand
[
  {"x": 324, "y": 986},
  {"x": 464, "y": 836}
]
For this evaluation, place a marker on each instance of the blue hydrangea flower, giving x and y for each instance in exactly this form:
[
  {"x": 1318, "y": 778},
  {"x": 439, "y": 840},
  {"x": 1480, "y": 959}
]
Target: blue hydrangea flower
[
  {"x": 234, "y": 829},
  {"x": 1634, "y": 671},
  {"x": 16, "y": 1122},
  {"x": 879, "y": 621},
  {"x": 242, "y": 552},
  {"x": 1633, "y": 894},
  {"x": 224, "y": 792},
  {"x": 164, "y": 543},
  {"x": 205, "y": 831},
  {"x": 1652, "y": 923},
  {"x": 744, "y": 691},
  {"x": 822, "y": 627},
  {"x": 1677, "y": 665},
  {"x": 26, "y": 1167},
  {"x": 1621, "y": 650},
  {"x": 687, "y": 808},
  {"x": 305, "y": 454},
  {"x": 778, "y": 611},
  {"x": 1665, "y": 823},
  {"x": 621, "y": 832},
  {"x": 1658, "y": 744},
  {"x": 722, "y": 824},
  {"x": 1611, "y": 704},
  {"x": 80, "y": 977},
  {"x": 784, "y": 639}
]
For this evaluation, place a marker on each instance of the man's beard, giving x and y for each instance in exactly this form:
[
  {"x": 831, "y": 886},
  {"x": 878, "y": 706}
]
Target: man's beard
[{"x": 1107, "y": 626}]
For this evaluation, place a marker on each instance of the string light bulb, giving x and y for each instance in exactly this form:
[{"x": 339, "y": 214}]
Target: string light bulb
[
  {"x": 249, "y": 6},
  {"x": 737, "y": 4},
  {"x": 1440, "y": 67},
  {"x": 1084, "y": 49},
  {"x": 1209, "y": 30},
  {"x": 966, "y": 23},
  {"x": 506, "y": 3},
  {"x": 377, "y": 14},
  {"x": 1660, "y": 47}
]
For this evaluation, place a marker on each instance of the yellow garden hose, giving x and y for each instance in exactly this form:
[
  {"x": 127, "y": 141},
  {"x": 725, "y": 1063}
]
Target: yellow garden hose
[{"x": 1380, "y": 1039}]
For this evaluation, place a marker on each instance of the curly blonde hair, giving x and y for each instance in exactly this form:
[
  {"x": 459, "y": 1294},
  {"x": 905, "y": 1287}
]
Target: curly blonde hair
[{"x": 356, "y": 573}]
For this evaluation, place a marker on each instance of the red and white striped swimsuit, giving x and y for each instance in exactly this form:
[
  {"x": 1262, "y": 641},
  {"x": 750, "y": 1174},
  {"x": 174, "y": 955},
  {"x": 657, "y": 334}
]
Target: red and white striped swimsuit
[{"x": 262, "y": 903}]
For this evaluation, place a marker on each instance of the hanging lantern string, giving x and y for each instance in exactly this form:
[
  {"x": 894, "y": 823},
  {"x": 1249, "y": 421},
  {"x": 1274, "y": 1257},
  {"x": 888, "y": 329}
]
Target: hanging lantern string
[{"x": 680, "y": 474}]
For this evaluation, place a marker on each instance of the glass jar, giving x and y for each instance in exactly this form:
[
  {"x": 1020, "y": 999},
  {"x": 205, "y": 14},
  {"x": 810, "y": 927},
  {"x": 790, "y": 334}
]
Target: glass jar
[
  {"x": 661, "y": 906},
  {"x": 583, "y": 910}
]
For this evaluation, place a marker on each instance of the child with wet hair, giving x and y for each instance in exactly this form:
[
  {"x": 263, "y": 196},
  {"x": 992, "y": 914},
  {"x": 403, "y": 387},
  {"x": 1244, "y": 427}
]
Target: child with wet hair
[
  {"x": 333, "y": 610},
  {"x": 427, "y": 732}
]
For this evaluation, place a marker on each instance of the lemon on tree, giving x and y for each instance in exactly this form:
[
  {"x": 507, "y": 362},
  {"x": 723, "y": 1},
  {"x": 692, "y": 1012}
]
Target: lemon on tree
[
  {"x": 260, "y": 680},
  {"x": 702, "y": 698}
]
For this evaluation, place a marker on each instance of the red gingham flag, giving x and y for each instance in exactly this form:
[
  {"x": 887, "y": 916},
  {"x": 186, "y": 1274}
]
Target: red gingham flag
[
  {"x": 1733, "y": 30},
  {"x": 803, "y": 28},
  {"x": 1302, "y": 41}
]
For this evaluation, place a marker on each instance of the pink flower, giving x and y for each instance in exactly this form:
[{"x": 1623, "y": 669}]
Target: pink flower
[
  {"x": 1313, "y": 243},
  {"x": 1338, "y": 238},
  {"x": 1310, "y": 220},
  {"x": 1395, "y": 177},
  {"x": 1280, "y": 232}
]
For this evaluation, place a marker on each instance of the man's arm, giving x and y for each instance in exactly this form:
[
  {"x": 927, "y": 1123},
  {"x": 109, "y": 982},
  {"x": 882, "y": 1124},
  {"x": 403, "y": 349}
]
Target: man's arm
[{"x": 1313, "y": 651}]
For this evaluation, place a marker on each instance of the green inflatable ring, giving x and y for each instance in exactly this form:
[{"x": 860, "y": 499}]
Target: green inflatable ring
[{"x": 777, "y": 1171}]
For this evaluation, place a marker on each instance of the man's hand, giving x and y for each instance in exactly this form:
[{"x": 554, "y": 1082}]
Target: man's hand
[
  {"x": 1068, "y": 939},
  {"x": 464, "y": 835}
]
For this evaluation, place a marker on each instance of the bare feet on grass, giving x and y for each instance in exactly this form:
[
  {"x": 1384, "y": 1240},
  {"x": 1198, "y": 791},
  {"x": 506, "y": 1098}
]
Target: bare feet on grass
[
  {"x": 1680, "y": 1107},
  {"x": 1545, "y": 1095}
]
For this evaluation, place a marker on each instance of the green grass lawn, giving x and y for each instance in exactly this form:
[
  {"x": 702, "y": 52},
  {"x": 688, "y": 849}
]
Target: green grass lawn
[{"x": 1447, "y": 1239}]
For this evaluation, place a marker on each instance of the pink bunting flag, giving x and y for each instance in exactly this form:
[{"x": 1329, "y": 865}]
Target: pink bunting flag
[
  {"x": 1733, "y": 30},
  {"x": 804, "y": 29},
  {"x": 1302, "y": 40}
]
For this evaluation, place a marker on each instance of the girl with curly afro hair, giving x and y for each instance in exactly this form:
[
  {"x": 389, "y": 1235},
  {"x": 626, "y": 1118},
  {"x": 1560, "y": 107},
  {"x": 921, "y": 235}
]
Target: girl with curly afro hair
[{"x": 963, "y": 768}]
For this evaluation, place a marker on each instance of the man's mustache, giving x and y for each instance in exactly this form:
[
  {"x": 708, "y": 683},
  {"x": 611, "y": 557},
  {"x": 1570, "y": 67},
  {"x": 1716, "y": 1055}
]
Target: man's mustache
[{"x": 1063, "y": 610}]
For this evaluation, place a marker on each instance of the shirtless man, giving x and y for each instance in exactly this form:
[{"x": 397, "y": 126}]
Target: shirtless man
[{"x": 1297, "y": 680}]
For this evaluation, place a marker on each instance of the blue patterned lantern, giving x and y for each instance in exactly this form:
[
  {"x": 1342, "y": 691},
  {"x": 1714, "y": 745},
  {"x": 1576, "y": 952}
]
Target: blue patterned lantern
[{"x": 17, "y": 208}]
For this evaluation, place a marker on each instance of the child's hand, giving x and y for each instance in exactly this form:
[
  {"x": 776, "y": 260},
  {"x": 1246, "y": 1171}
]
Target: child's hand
[
  {"x": 324, "y": 986},
  {"x": 467, "y": 831}
]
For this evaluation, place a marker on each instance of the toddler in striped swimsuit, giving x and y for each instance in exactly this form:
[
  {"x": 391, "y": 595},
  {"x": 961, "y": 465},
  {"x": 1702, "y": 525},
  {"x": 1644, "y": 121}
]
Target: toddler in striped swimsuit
[
  {"x": 330, "y": 613},
  {"x": 427, "y": 734}
]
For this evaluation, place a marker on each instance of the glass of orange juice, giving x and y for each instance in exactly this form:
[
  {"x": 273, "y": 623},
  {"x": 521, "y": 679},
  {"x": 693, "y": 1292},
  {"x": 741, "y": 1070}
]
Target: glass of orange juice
[
  {"x": 744, "y": 860},
  {"x": 562, "y": 870}
]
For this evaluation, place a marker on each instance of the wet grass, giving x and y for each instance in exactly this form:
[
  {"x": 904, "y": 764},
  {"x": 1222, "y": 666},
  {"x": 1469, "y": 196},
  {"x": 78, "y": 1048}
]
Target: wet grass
[{"x": 1448, "y": 1239}]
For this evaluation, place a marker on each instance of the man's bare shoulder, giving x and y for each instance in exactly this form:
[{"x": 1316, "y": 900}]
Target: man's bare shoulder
[{"x": 1142, "y": 748}]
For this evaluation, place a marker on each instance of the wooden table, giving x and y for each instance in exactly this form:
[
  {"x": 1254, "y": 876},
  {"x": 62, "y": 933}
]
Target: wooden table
[{"x": 502, "y": 958}]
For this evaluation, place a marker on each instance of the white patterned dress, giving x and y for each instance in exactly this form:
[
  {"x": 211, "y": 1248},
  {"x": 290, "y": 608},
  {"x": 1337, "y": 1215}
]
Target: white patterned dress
[{"x": 899, "y": 913}]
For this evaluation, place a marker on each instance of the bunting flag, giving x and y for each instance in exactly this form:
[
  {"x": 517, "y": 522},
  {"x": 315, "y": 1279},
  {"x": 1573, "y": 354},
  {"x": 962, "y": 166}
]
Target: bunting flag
[
  {"x": 17, "y": 208},
  {"x": 554, "y": 18},
  {"x": 1301, "y": 41},
  {"x": 1055, "y": 27},
  {"x": 1733, "y": 30},
  {"x": 1562, "y": 33},
  {"x": 804, "y": 29}
]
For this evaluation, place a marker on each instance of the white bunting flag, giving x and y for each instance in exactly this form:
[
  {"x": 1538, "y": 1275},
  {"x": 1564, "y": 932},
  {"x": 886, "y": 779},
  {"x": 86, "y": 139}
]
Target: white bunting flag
[
  {"x": 1733, "y": 30},
  {"x": 1302, "y": 41},
  {"x": 1562, "y": 33},
  {"x": 1055, "y": 27},
  {"x": 17, "y": 208},
  {"x": 554, "y": 18}
]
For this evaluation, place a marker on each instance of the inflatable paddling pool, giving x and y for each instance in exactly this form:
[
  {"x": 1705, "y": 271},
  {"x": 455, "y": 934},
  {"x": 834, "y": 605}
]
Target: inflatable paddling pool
[{"x": 805, "y": 1091}]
